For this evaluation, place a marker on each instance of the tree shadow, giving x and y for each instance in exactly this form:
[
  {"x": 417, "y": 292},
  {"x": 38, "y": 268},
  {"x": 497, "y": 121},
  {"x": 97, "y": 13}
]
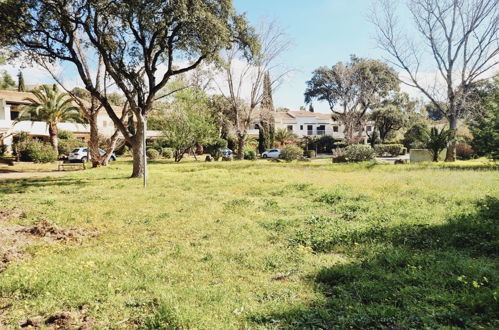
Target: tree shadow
[{"x": 409, "y": 277}]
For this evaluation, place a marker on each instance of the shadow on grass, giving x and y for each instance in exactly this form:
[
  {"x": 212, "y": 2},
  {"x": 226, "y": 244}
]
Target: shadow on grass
[{"x": 410, "y": 277}]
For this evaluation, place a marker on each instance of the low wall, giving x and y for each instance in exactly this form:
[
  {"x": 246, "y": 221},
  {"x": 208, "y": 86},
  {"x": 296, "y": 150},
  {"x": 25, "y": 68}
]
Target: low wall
[{"x": 424, "y": 155}]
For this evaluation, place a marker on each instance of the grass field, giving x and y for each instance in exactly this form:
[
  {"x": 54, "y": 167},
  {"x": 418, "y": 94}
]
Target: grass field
[{"x": 262, "y": 245}]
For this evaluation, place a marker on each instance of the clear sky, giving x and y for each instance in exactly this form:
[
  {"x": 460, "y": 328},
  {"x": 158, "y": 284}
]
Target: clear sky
[{"x": 323, "y": 32}]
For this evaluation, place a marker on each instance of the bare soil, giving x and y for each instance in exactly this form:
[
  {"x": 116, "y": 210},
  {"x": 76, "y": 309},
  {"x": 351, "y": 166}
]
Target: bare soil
[{"x": 62, "y": 320}]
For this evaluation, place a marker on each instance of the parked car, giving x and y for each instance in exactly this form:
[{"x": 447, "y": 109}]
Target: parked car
[
  {"x": 226, "y": 152},
  {"x": 272, "y": 153},
  {"x": 81, "y": 155}
]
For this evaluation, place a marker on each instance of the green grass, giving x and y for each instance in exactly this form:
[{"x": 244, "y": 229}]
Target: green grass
[{"x": 264, "y": 245}]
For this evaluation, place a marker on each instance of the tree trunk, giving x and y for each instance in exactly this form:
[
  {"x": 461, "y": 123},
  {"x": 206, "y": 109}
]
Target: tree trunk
[
  {"x": 93, "y": 143},
  {"x": 451, "y": 149},
  {"x": 53, "y": 138},
  {"x": 241, "y": 140},
  {"x": 139, "y": 165}
]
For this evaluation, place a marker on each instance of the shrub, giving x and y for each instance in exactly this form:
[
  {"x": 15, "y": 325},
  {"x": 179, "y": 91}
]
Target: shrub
[
  {"x": 152, "y": 153},
  {"x": 39, "y": 152},
  {"x": 65, "y": 135},
  {"x": 464, "y": 151},
  {"x": 339, "y": 155},
  {"x": 391, "y": 149},
  {"x": 167, "y": 153},
  {"x": 65, "y": 146},
  {"x": 291, "y": 152},
  {"x": 359, "y": 153},
  {"x": 215, "y": 148},
  {"x": 3, "y": 149},
  {"x": 310, "y": 153},
  {"x": 250, "y": 155}
]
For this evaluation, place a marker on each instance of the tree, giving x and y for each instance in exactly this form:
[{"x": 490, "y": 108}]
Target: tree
[
  {"x": 351, "y": 90},
  {"x": 135, "y": 39},
  {"x": 20, "y": 82},
  {"x": 267, "y": 122},
  {"x": 415, "y": 136},
  {"x": 187, "y": 125},
  {"x": 6, "y": 81},
  {"x": 283, "y": 136},
  {"x": 391, "y": 115},
  {"x": 244, "y": 76},
  {"x": 436, "y": 141},
  {"x": 485, "y": 127},
  {"x": 458, "y": 38},
  {"x": 311, "y": 108},
  {"x": 52, "y": 107}
]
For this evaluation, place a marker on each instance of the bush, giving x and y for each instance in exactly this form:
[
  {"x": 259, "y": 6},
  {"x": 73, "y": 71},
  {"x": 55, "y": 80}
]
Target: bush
[
  {"x": 250, "y": 155},
  {"x": 359, "y": 153},
  {"x": 310, "y": 154},
  {"x": 291, "y": 152},
  {"x": 65, "y": 146},
  {"x": 65, "y": 135},
  {"x": 167, "y": 153},
  {"x": 464, "y": 151},
  {"x": 3, "y": 149},
  {"x": 152, "y": 154},
  {"x": 39, "y": 152},
  {"x": 391, "y": 149},
  {"x": 215, "y": 148}
]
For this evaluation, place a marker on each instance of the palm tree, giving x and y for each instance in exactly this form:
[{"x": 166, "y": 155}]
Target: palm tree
[
  {"x": 52, "y": 107},
  {"x": 283, "y": 135},
  {"x": 436, "y": 141}
]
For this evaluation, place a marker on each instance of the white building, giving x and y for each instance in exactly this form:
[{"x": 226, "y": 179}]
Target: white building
[
  {"x": 11, "y": 103},
  {"x": 305, "y": 123}
]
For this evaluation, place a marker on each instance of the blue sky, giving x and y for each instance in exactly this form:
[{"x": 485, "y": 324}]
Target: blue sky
[{"x": 323, "y": 32}]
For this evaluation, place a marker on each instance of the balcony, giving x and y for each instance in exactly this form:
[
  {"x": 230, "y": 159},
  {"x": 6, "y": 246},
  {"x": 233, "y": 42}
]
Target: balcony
[{"x": 319, "y": 132}]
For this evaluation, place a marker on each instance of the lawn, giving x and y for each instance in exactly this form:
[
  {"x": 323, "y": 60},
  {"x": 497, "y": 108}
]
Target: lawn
[{"x": 260, "y": 245}]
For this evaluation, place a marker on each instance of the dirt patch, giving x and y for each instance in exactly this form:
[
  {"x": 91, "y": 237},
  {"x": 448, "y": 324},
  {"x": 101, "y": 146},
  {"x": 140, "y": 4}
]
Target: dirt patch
[
  {"x": 14, "y": 239},
  {"x": 48, "y": 230},
  {"x": 63, "y": 320}
]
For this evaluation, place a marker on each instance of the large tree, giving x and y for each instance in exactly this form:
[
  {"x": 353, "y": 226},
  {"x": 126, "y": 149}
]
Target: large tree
[
  {"x": 350, "y": 90},
  {"x": 266, "y": 124},
  {"x": 52, "y": 107},
  {"x": 456, "y": 38},
  {"x": 244, "y": 75},
  {"x": 391, "y": 115},
  {"x": 139, "y": 41}
]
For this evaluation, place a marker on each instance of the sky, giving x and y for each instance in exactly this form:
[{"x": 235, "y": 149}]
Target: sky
[{"x": 323, "y": 32}]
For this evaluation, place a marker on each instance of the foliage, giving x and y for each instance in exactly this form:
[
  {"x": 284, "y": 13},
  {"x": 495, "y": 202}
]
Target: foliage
[
  {"x": 414, "y": 137},
  {"x": 359, "y": 153},
  {"x": 391, "y": 149},
  {"x": 3, "y": 149},
  {"x": 39, "y": 152},
  {"x": 20, "y": 82},
  {"x": 187, "y": 124},
  {"x": 65, "y": 135},
  {"x": 215, "y": 148},
  {"x": 310, "y": 153},
  {"x": 167, "y": 153},
  {"x": 250, "y": 154},
  {"x": 52, "y": 107},
  {"x": 357, "y": 86},
  {"x": 485, "y": 127},
  {"x": 284, "y": 136},
  {"x": 65, "y": 146},
  {"x": 291, "y": 152},
  {"x": 436, "y": 141},
  {"x": 464, "y": 151},
  {"x": 6, "y": 80},
  {"x": 153, "y": 154},
  {"x": 388, "y": 119}
]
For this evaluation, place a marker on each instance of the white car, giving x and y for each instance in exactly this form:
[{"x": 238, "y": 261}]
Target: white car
[
  {"x": 272, "y": 153},
  {"x": 82, "y": 155}
]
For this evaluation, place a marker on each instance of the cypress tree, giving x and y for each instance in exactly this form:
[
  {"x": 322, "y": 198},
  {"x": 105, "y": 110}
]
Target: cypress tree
[
  {"x": 266, "y": 125},
  {"x": 20, "y": 82}
]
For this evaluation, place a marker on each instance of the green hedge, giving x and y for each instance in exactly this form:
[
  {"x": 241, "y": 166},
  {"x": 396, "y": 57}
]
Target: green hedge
[
  {"x": 291, "y": 152},
  {"x": 152, "y": 154},
  {"x": 39, "y": 152},
  {"x": 390, "y": 149},
  {"x": 359, "y": 153}
]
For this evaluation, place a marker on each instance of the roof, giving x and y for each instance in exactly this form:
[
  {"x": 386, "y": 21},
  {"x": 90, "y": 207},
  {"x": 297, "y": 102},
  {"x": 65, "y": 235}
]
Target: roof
[
  {"x": 39, "y": 128},
  {"x": 290, "y": 115},
  {"x": 19, "y": 98}
]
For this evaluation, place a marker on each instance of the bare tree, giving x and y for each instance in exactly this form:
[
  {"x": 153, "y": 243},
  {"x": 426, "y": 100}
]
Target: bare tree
[
  {"x": 243, "y": 78},
  {"x": 459, "y": 38}
]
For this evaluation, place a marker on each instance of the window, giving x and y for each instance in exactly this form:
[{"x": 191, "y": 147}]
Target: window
[
  {"x": 310, "y": 129},
  {"x": 369, "y": 128},
  {"x": 301, "y": 127},
  {"x": 290, "y": 128},
  {"x": 256, "y": 126},
  {"x": 335, "y": 129}
]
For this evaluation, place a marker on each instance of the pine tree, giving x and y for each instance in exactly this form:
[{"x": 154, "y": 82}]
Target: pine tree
[
  {"x": 20, "y": 82},
  {"x": 311, "y": 108}
]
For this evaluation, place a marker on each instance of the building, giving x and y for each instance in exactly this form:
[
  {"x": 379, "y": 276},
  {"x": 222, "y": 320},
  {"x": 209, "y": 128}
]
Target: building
[
  {"x": 305, "y": 123},
  {"x": 11, "y": 103}
]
